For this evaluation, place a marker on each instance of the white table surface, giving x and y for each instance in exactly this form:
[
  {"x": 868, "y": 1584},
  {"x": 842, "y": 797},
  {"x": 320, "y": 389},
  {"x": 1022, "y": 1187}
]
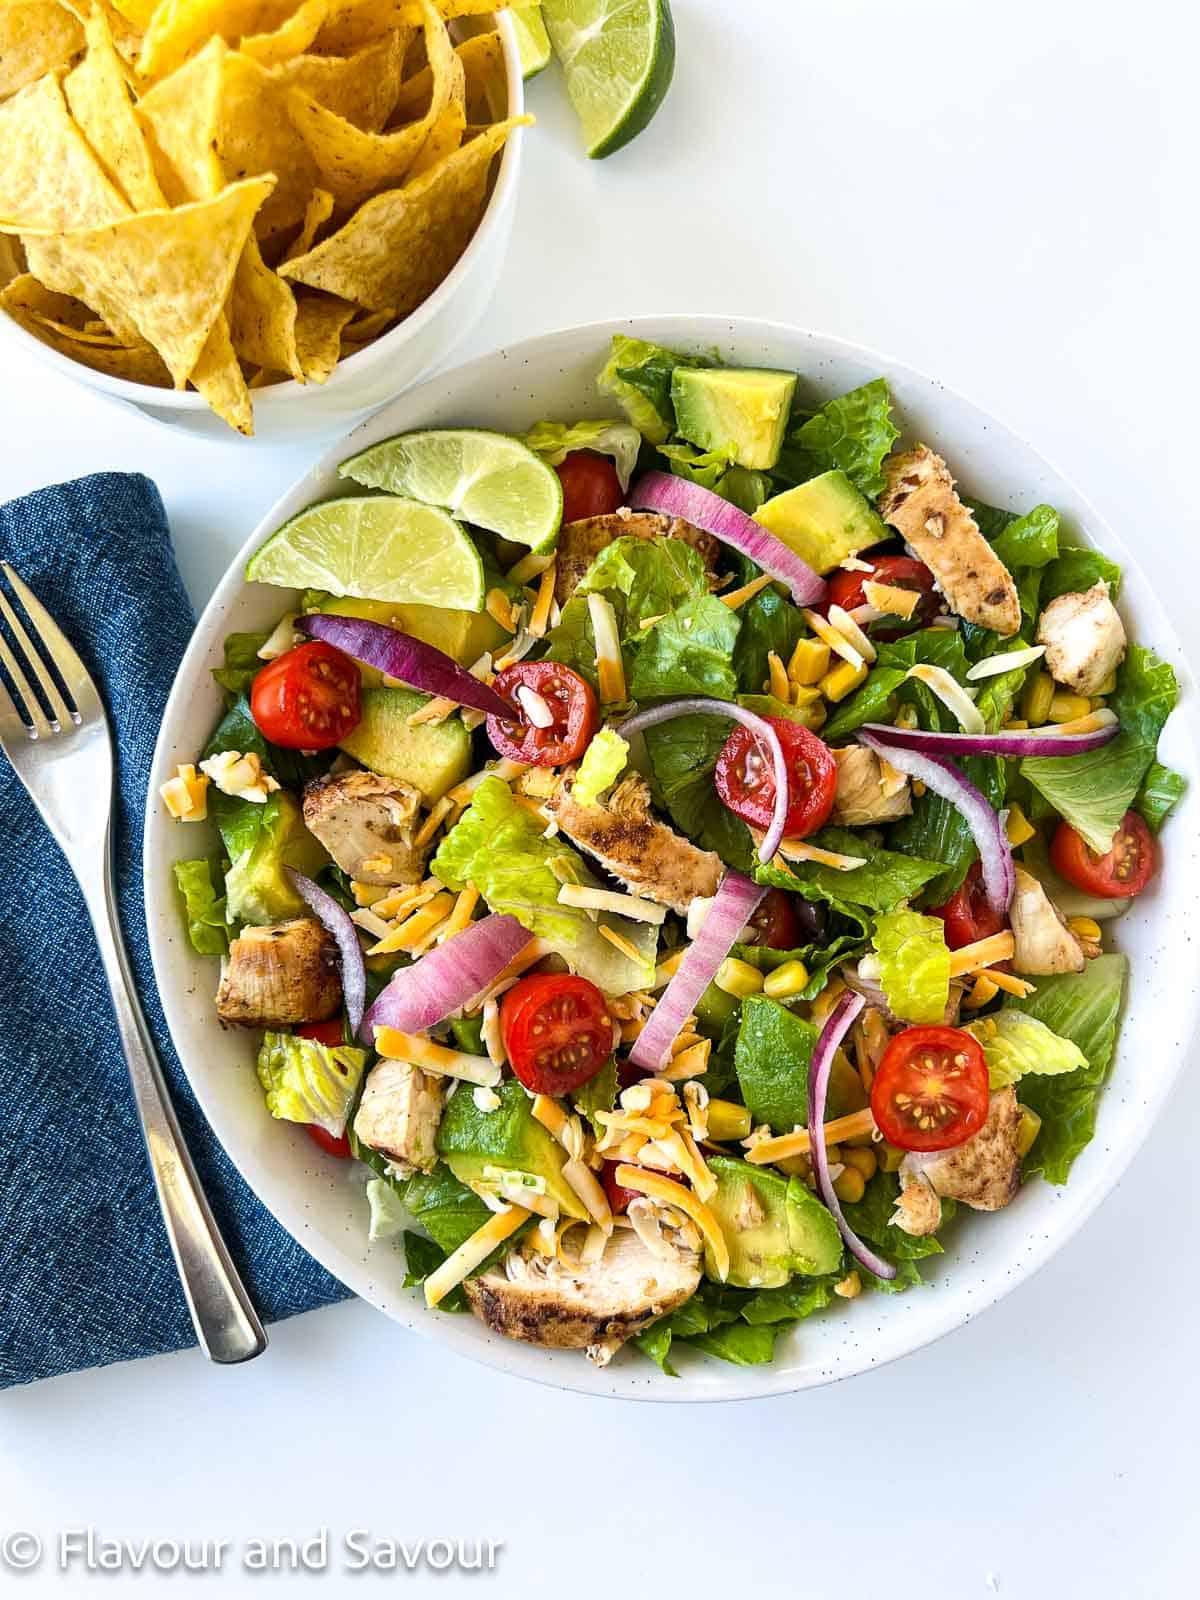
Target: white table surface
[{"x": 1002, "y": 195}]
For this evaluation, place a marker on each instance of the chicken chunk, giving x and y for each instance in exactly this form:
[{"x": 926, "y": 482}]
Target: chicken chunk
[
  {"x": 1084, "y": 638},
  {"x": 280, "y": 975},
  {"x": 579, "y": 543},
  {"x": 1044, "y": 944},
  {"x": 865, "y": 793},
  {"x": 594, "y": 1308},
  {"x": 368, "y": 825},
  {"x": 649, "y": 857},
  {"x": 921, "y": 502},
  {"x": 983, "y": 1173},
  {"x": 399, "y": 1113}
]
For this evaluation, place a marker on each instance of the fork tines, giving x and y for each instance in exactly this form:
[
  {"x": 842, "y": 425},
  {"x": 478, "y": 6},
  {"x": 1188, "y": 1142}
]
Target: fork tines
[{"x": 53, "y": 667}]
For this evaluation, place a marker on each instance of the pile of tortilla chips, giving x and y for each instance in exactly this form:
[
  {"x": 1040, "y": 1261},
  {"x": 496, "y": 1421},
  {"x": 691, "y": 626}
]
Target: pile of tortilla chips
[{"x": 232, "y": 193}]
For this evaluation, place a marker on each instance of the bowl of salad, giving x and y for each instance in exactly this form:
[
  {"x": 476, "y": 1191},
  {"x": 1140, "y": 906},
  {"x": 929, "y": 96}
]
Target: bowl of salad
[{"x": 660, "y": 850}]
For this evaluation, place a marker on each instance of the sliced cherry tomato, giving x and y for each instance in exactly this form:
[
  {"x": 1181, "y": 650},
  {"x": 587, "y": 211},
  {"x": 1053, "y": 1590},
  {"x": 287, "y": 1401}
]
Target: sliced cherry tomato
[
  {"x": 967, "y": 914},
  {"x": 307, "y": 698},
  {"x": 339, "y": 1147},
  {"x": 330, "y": 1033},
  {"x": 775, "y": 923},
  {"x": 618, "y": 1196},
  {"x": 746, "y": 783},
  {"x": 1120, "y": 873},
  {"x": 557, "y": 1031},
  {"x": 572, "y": 706},
  {"x": 931, "y": 1089},
  {"x": 590, "y": 485},
  {"x": 900, "y": 572}
]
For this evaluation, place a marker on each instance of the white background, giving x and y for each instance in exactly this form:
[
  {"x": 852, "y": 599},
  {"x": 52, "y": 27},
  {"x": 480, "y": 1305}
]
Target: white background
[{"x": 999, "y": 193}]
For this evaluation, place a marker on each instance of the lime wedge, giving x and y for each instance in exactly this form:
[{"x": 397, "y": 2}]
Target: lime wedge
[
  {"x": 489, "y": 479},
  {"x": 617, "y": 57},
  {"x": 533, "y": 42},
  {"x": 378, "y": 547}
]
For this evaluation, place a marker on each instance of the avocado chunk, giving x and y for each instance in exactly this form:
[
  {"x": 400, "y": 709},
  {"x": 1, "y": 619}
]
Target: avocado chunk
[
  {"x": 773, "y": 1226},
  {"x": 744, "y": 410},
  {"x": 264, "y": 841},
  {"x": 823, "y": 521},
  {"x": 470, "y": 1140},
  {"x": 462, "y": 635},
  {"x": 432, "y": 757}
]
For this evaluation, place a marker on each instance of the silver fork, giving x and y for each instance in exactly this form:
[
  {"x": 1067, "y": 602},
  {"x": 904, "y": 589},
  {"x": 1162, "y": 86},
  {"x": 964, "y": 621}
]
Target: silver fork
[{"x": 61, "y": 749}]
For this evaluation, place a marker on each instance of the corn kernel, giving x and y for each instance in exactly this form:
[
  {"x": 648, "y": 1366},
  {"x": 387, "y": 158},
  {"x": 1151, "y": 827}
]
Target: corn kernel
[
  {"x": 787, "y": 981},
  {"x": 809, "y": 662},
  {"x": 849, "y": 1185},
  {"x": 738, "y": 978},
  {"x": 1066, "y": 707},
  {"x": 842, "y": 680},
  {"x": 777, "y": 681},
  {"x": 862, "y": 1161},
  {"x": 1018, "y": 827},
  {"x": 850, "y": 1287},
  {"x": 1085, "y": 928},
  {"x": 889, "y": 1157},
  {"x": 906, "y": 717},
  {"x": 1035, "y": 701},
  {"x": 1027, "y": 1130},
  {"x": 727, "y": 1120},
  {"x": 1108, "y": 686},
  {"x": 796, "y": 1167}
]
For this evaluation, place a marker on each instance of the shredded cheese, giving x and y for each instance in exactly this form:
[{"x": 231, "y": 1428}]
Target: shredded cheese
[
  {"x": 535, "y": 706},
  {"x": 764, "y": 1152},
  {"x": 530, "y": 567},
  {"x": 501, "y": 610},
  {"x": 845, "y": 624},
  {"x": 738, "y": 597},
  {"x": 689, "y": 1062},
  {"x": 797, "y": 850},
  {"x": 610, "y": 667},
  {"x": 952, "y": 695},
  {"x": 472, "y": 1253},
  {"x": 983, "y": 953},
  {"x": 1092, "y": 723},
  {"x": 584, "y": 1184},
  {"x": 433, "y": 821},
  {"x": 619, "y": 942},
  {"x": 414, "y": 929},
  {"x": 283, "y": 639},
  {"x": 835, "y": 639},
  {"x": 550, "y": 1114},
  {"x": 460, "y": 917},
  {"x": 1011, "y": 984},
  {"x": 1006, "y": 661},
  {"x": 659, "y": 1188},
  {"x": 539, "y": 619},
  {"x": 419, "y": 1051},
  {"x": 890, "y": 601},
  {"x": 585, "y": 898}
]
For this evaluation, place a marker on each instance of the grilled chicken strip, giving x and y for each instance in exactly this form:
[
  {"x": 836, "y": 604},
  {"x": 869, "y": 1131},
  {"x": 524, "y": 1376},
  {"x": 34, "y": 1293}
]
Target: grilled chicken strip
[
  {"x": 1043, "y": 942},
  {"x": 368, "y": 824},
  {"x": 921, "y": 502},
  {"x": 648, "y": 857},
  {"x": 864, "y": 795},
  {"x": 1084, "y": 638},
  {"x": 594, "y": 1308},
  {"x": 280, "y": 975},
  {"x": 984, "y": 1173},
  {"x": 579, "y": 543},
  {"x": 399, "y": 1113}
]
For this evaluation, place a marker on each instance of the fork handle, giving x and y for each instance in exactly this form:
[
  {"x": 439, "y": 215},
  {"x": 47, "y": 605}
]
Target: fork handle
[{"x": 226, "y": 1323}]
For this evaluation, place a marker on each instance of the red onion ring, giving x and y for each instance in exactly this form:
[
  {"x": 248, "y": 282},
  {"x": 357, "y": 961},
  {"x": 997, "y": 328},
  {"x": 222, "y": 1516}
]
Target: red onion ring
[
  {"x": 1019, "y": 743},
  {"x": 336, "y": 922},
  {"x": 449, "y": 977},
  {"x": 411, "y": 660}
]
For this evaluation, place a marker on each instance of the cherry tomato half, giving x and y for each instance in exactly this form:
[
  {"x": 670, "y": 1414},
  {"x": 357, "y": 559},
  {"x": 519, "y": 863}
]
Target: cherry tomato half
[
  {"x": 746, "y": 783},
  {"x": 900, "y": 572},
  {"x": 572, "y": 706},
  {"x": 339, "y": 1147},
  {"x": 931, "y": 1090},
  {"x": 1120, "y": 873},
  {"x": 557, "y": 1031},
  {"x": 618, "y": 1195},
  {"x": 967, "y": 914},
  {"x": 307, "y": 698},
  {"x": 330, "y": 1033},
  {"x": 590, "y": 485},
  {"x": 775, "y": 923}
]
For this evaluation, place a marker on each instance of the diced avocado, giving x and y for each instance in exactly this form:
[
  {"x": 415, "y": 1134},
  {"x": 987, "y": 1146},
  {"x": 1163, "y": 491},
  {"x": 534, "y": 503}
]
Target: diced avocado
[
  {"x": 772, "y": 1225},
  {"x": 433, "y": 757},
  {"x": 469, "y": 1140},
  {"x": 463, "y": 635},
  {"x": 257, "y": 886},
  {"x": 744, "y": 410},
  {"x": 813, "y": 1235},
  {"x": 823, "y": 521}
]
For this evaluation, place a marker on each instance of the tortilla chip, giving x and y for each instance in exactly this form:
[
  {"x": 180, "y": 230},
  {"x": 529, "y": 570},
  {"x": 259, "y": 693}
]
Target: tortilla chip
[
  {"x": 360, "y": 87},
  {"x": 100, "y": 103},
  {"x": 182, "y": 113},
  {"x": 137, "y": 12},
  {"x": 49, "y": 177},
  {"x": 33, "y": 39},
  {"x": 25, "y": 301},
  {"x": 126, "y": 38},
  {"x": 179, "y": 28},
  {"x": 262, "y": 315},
  {"x": 167, "y": 272},
  {"x": 26, "y": 294},
  {"x": 256, "y": 135},
  {"x": 354, "y": 23},
  {"x": 445, "y": 137},
  {"x": 353, "y": 164},
  {"x": 293, "y": 35},
  {"x": 482, "y": 59},
  {"x": 12, "y": 259},
  {"x": 398, "y": 247},
  {"x": 317, "y": 212},
  {"x": 218, "y": 377},
  {"x": 319, "y": 324}
]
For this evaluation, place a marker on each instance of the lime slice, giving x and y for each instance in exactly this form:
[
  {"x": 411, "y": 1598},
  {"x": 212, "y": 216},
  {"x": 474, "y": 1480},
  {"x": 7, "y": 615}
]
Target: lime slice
[
  {"x": 533, "y": 42},
  {"x": 618, "y": 57},
  {"x": 489, "y": 479},
  {"x": 376, "y": 548}
]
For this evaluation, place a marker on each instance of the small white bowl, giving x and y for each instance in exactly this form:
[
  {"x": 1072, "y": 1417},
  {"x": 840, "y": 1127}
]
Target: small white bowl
[
  {"x": 987, "y": 1255},
  {"x": 384, "y": 367}
]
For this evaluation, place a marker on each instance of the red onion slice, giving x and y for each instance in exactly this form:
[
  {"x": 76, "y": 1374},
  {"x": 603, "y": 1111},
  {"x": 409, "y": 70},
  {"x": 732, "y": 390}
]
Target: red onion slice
[
  {"x": 336, "y": 922},
  {"x": 837, "y": 1025},
  {"x": 735, "y": 903},
  {"x": 411, "y": 660},
  {"x": 700, "y": 706},
  {"x": 1019, "y": 743},
  {"x": 676, "y": 497},
  {"x": 995, "y": 855},
  {"x": 449, "y": 977}
]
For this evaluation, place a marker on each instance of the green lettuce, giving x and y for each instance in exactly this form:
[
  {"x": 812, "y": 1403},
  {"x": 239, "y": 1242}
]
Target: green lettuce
[
  {"x": 242, "y": 663},
  {"x": 1015, "y": 1044},
  {"x": 1094, "y": 791},
  {"x": 651, "y": 577},
  {"x": 870, "y": 1218},
  {"x": 388, "y": 1214},
  {"x": 1161, "y": 792},
  {"x": 769, "y": 623},
  {"x": 500, "y": 849},
  {"x": 914, "y": 965},
  {"x": 938, "y": 831},
  {"x": 705, "y": 467},
  {"x": 772, "y": 1057},
  {"x": 638, "y": 376},
  {"x": 603, "y": 762},
  {"x": 819, "y": 959},
  {"x": 884, "y": 881},
  {"x": 204, "y": 908},
  {"x": 306, "y": 1081},
  {"x": 554, "y": 441},
  {"x": 1029, "y": 541},
  {"x": 888, "y": 685},
  {"x": 852, "y": 434},
  {"x": 683, "y": 756},
  {"x": 1077, "y": 569},
  {"x": 688, "y": 652},
  {"x": 737, "y": 1325},
  {"x": 599, "y": 1093}
]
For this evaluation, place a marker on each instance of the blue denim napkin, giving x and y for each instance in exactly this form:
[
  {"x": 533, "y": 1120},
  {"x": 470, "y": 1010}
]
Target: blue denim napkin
[{"x": 86, "y": 1276}]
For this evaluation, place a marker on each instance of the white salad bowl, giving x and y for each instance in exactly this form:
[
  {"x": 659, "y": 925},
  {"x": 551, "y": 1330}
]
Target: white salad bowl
[{"x": 987, "y": 1255}]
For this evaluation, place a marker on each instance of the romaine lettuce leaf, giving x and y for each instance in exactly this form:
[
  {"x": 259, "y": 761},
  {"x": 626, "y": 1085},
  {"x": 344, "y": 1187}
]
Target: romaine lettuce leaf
[
  {"x": 852, "y": 433},
  {"x": 705, "y": 467},
  {"x": 388, "y": 1215},
  {"x": 306, "y": 1081},
  {"x": 1161, "y": 792},
  {"x": 914, "y": 965},
  {"x": 1029, "y": 541},
  {"x": 1014, "y": 1044},
  {"x": 599, "y": 1093},
  {"x": 769, "y": 622},
  {"x": 1077, "y": 569},
  {"x": 572, "y": 641},
  {"x": 871, "y": 1216},
  {"x": 638, "y": 376},
  {"x": 683, "y": 756},
  {"x": 554, "y": 441},
  {"x": 652, "y": 575},
  {"x": 888, "y": 684},
  {"x": 204, "y": 909},
  {"x": 819, "y": 959},
  {"x": 772, "y": 1057},
  {"x": 885, "y": 881},
  {"x": 938, "y": 831},
  {"x": 603, "y": 762},
  {"x": 688, "y": 652},
  {"x": 242, "y": 664}
]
